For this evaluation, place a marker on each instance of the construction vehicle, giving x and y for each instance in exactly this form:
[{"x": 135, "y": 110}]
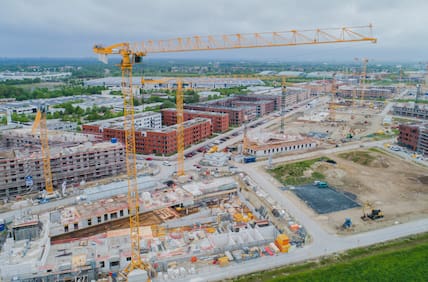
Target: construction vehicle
[
  {"x": 132, "y": 53},
  {"x": 347, "y": 224},
  {"x": 41, "y": 122},
  {"x": 369, "y": 212},
  {"x": 375, "y": 214},
  {"x": 213, "y": 149}
]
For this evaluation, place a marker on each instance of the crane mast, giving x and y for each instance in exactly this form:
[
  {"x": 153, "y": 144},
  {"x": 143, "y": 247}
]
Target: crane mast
[
  {"x": 283, "y": 104},
  {"x": 41, "y": 121},
  {"x": 363, "y": 80},
  {"x": 332, "y": 103},
  {"x": 131, "y": 162},
  {"x": 180, "y": 129},
  {"x": 132, "y": 53}
]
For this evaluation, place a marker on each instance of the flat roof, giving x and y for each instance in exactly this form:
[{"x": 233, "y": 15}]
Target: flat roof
[
  {"x": 118, "y": 121},
  {"x": 187, "y": 123},
  {"x": 196, "y": 112}
]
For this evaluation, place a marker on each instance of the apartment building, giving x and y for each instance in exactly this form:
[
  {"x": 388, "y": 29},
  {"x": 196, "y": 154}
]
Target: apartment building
[
  {"x": 414, "y": 137},
  {"x": 369, "y": 92},
  {"x": 411, "y": 110},
  {"x": 22, "y": 169},
  {"x": 155, "y": 140},
  {"x": 219, "y": 121}
]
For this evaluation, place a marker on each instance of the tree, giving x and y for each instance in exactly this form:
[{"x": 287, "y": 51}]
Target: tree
[
  {"x": 3, "y": 120},
  {"x": 168, "y": 104},
  {"x": 19, "y": 118},
  {"x": 79, "y": 111}
]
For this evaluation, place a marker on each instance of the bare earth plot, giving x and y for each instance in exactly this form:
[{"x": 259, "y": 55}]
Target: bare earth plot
[{"x": 397, "y": 187}]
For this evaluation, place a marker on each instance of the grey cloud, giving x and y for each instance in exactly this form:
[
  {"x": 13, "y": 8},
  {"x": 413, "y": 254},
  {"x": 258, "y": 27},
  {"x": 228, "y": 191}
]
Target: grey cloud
[{"x": 70, "y": 28}]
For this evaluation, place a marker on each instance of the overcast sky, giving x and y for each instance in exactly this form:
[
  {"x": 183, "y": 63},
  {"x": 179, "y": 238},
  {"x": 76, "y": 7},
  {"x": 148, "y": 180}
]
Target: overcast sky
[{"x": 69, "y": 28}]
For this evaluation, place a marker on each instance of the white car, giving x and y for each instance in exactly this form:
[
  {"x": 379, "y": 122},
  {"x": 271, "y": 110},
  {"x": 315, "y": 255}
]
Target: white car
[{"x": 167, "y": 163}]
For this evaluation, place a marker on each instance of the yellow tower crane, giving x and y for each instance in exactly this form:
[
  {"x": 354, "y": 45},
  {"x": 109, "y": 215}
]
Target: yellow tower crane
[
  {"x": 180, "y": 116},
  {"x": 132, "y": 53},
  {"x": 332, "y": 104},
  {"x": 180, "y": 129},
  {"x": 363, "y": 80},
  {"x": 40, "y": 121}
]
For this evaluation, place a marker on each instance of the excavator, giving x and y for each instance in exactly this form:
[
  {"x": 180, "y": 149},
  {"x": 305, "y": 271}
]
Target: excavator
[{"x": 369, "y": 212}]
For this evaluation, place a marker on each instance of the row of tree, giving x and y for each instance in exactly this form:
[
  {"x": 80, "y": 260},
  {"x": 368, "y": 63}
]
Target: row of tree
[{"x": 20, "y": 94}]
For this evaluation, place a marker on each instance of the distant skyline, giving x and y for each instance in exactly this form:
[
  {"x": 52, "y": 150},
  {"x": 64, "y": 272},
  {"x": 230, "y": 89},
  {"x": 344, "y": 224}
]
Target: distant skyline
[{"x": 48, "y": 28}]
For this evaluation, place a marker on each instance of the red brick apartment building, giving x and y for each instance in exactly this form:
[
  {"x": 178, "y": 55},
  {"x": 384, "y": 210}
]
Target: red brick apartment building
[
  {"x": 219, "y": 121},
  {"x": 409, "y": 136},
  {"x": 236, "y": 115},
  {"x": 156, "y": 141},
  {"x": 414, "y": 137},
  {"x": 240, "y": 108}
]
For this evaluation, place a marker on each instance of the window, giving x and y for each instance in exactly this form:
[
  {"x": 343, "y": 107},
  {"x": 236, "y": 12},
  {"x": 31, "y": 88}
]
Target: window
[
  {"x": 121, "y": 212},
  {"x": 99, "y": 219},
  {"x": 89, "y": 222},
  {"x": 65, "y": 228},
  {"x": 105, "y": 217},
  {"x": 113, "y": 215},
  {"x": 76, "y": 225},
  {"x": 102, "y": 264}
]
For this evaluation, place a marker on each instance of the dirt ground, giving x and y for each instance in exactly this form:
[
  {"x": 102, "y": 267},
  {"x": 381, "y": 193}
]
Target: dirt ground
[
  {"x": 360, "y": 121},
  {"x": 397, "y": 187}
]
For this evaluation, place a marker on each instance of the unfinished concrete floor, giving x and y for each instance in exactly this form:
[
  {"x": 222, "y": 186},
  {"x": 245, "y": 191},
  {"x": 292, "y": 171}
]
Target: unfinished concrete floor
[{"x": 146, "y": 219}]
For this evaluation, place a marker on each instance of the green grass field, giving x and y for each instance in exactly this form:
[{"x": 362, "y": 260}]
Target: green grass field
[
  {"x": 405, "y": 265},
  {"x": 400, "y": 260},
  {"x": 293, "y": 173},
  {"x": 359, "y": 157}
]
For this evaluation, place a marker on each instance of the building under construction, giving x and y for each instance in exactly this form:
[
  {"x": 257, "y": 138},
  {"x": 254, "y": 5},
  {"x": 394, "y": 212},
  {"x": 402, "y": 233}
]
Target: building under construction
[
  {"x": 366, "y": 93},
  {"x": 411, "y": 109},
  {"x": 192, "y": 222},
  {"x": 72, "y": 161}
]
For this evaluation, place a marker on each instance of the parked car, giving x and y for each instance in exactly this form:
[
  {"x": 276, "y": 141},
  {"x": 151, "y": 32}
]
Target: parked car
[{"x": 149, "y": 159}]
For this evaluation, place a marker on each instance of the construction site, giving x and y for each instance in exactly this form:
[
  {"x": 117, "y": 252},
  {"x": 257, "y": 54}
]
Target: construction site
[
  {"x": 182, "y": 227},
  {"x": 383, "y": 182},
  {"x": 106, "y": 206}
]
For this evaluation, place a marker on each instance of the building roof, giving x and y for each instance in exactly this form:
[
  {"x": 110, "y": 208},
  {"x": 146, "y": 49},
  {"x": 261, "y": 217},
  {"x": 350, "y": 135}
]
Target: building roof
[
  {"x": 196, "y": 112},
  {"x": 118, "y": 122},
  {"x": 187, "y": 123}
]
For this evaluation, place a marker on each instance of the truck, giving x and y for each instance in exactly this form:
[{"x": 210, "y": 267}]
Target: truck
[{"x": 249, "y": 159}]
